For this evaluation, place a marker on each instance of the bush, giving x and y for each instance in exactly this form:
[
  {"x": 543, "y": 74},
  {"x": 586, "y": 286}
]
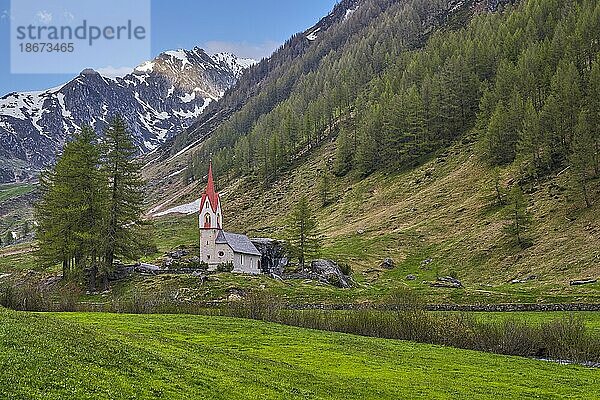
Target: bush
[
  {"x": 345, "y": 268},
  {"x": 25, "y": 297},
  {"x": 225, "y": 267}
]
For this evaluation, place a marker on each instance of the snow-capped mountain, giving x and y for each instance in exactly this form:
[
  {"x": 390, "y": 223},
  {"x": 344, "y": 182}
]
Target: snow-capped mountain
[{"x": 158, "y": 99}]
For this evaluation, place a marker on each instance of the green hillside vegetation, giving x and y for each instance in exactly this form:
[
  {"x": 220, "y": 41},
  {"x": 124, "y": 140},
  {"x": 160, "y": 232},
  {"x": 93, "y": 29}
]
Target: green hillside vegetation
[
  {"x": 444, "y": 211},
  {"x": 14, "y": 190},
  {"x": 180, "y": 356},
  {"x": 15, "y": 211}
]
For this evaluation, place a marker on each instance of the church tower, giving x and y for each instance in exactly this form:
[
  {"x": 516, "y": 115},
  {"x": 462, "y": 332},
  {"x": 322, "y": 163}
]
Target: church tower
[{"x": 210, "y": 221}]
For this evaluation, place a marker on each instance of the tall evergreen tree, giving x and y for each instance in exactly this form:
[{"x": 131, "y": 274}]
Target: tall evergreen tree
[
  {"x": 124, "y": 233},
  {"x": 302, "y": 234},
  {"x": 582, "y": 156},
  {"x": 70, "y": 213},
  {"x": 533, "y": 146},
  {"x": 519, "y": 217}
]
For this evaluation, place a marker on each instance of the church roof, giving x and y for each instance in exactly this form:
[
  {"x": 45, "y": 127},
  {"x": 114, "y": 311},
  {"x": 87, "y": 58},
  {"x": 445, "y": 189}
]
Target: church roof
[
  {"x": 209, "y": 192},
  {"x": 239, "y": 243}
]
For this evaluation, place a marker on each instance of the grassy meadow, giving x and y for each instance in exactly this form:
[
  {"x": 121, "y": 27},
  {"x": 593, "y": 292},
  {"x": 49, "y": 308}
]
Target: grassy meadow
[{"x": 116, "y": 356}]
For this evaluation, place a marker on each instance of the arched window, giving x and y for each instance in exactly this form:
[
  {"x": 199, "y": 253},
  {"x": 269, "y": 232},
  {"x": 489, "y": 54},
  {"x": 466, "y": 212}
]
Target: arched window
[
  {"x": 207, "y": 221},
  {"x": 219, "y": 220}
]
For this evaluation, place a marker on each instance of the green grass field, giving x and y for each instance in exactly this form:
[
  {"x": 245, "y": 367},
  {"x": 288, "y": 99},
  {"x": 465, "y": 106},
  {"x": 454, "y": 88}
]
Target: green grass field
[{"x": 106, "y": 356}]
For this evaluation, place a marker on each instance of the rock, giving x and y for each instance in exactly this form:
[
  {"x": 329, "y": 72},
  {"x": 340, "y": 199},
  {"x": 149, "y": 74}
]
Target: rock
[
  {"x": 447, "y": 282},
  {"x": 426, "y": 262},
  {"x": 235, "y": 294},
  {"x": 177, "y": 254},
  {"x": 167, "y": 262},
  {"x": 273, "y": 255},
  {"x": 529, "y": 278},
  {"x": 582, "y": 282},
  {"x": 410, "y": 277},
  {"x": 328, "y": 272},
  {"x": 234, "y": 297},
  {"x": 388, "y": 263},
  {"x": 360, "y": 231}
]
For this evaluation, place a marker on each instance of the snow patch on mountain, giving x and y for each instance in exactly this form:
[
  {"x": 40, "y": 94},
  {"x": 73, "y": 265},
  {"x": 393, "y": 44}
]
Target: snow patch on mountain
[
  {"x": 188, "y": 208},
  {"x": 158, "y": 99}
]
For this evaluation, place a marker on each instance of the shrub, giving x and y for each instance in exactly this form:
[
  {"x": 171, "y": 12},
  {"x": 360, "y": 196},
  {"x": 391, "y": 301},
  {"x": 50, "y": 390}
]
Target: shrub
[{"x": 225, "y": 267}]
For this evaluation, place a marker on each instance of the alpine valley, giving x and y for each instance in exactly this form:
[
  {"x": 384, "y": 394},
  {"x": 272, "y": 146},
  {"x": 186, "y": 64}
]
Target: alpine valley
[{"x": 401, "y": 201}]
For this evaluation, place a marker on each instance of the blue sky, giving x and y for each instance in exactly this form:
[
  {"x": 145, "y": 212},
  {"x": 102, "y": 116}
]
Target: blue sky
[{"x": 248, "y": 28}]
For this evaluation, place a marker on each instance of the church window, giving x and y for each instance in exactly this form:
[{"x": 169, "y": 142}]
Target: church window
[
  {"x": 242, "y": 259},
  {"x": 207, "y": 221},
  {"x": 221, "y": 254}
]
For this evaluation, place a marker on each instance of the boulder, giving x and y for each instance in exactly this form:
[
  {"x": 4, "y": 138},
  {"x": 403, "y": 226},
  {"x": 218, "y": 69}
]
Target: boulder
[
  {"x": 177, "y": 254},
  {"x": 410, "y": 277},
  {"x": 447, "y": 282},
  {"x": 583, "y": 282},
  {"x": 426, "y": 262},
  {"x": 329, "y": 272},
  {"x": 388, "y": 263}
]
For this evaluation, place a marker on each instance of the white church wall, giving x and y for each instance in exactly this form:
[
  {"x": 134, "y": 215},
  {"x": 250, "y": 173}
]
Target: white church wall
[{"x": 246, "y": 263}]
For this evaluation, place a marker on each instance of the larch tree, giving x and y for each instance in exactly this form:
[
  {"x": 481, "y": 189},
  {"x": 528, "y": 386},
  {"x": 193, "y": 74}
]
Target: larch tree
[
  {"x": 582, "y": 156},
  {"x": 518, "y": 215},
  {"x": 302, "y": 232},
  {"x": 124, "y": 232}
]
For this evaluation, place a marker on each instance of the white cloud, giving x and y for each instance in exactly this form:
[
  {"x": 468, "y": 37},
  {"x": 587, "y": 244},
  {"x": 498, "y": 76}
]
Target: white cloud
[
  {"x": 242, "y": 49},
  {"x": 114, "y": 72},
  {"x": 5, "y": 16},
  {"x": 45, "y": 17},
  {"x": 68, "y": 16}
]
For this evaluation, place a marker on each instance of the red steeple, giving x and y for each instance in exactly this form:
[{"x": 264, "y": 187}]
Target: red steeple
[{"x": 209, "y": 192}]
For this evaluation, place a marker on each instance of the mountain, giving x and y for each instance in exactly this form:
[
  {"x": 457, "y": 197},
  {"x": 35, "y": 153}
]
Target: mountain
[{"x": 158, "y": 99}]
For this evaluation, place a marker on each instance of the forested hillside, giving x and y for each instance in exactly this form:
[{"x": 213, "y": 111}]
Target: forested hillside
[{"x": 527, "y": 79}]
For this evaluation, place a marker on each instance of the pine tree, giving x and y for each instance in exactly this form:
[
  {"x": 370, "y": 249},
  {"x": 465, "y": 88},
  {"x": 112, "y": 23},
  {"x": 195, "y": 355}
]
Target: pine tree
[
  {"x": 124, "y": 232},
  {"x": 302, "y": 233},
  {"x": 499, "y": 191},
  {"x": 593, "y": 102},
  {"x": 325, "y": 189},
  {"x": 70, "y": 213},
  {"x": 533, "y": 146},
  {"x": 582, "y": 156},
  {"x": 9, "y": 238},
  {"x": 519, "y": 217},
  {"x": 343, "y": 154}
]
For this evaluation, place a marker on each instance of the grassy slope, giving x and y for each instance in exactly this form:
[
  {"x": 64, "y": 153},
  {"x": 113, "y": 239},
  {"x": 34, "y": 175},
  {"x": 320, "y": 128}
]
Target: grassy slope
[
  {"x": 442, "y": 210},
  {"x": 14, "y": 190},
  {"x": 165, "y": 356}
]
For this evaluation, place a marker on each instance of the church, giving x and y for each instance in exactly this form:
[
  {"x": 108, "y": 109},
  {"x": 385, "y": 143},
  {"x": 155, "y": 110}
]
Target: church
[{"x": 218, "y": 247}]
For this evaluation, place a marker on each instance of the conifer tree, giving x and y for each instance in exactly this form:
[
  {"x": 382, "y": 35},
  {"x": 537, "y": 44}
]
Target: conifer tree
[
  {"x": 519, "y": 217},
  {"x": 532, "y": 146},
  {"x": 582, "y": 156},
  {"x": 499, "y": 191},
  {"x": 343, "y": 154},
  {"x": 324, "y": 188},
  {"x": 124, "y": 233},
  {"x": 8, "y": 238},
  {"x": 70, "y": 213},
  {"x": 302, "y": 235}
]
